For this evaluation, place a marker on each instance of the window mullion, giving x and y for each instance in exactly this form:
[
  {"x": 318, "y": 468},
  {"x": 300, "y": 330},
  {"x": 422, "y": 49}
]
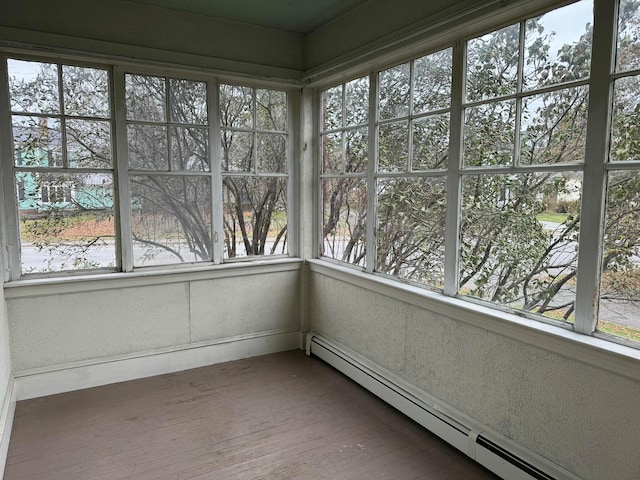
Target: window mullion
[
  {"x": 591, "y": 218},
  {"x": 215, "y": 162},
  {"x": 10, "y": 231},
  {"x": 454, "y": 180},
  {"x": 123, "y": 188},
  {"x": 372, "y": 167}
]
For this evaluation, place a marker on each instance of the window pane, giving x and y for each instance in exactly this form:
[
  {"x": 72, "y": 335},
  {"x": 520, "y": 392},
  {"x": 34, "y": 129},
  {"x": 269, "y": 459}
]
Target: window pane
[
  {"x": 410, "y": 229},
  {"x": 357, "y": 101},
  {"x": 255, "y": 216},
  {"x": 237, "y": 151},
  {"x": 33, "y": 87},
  {"x": 489, "y": 134},
  {"x": 432, "y": 82},
  {"x": 236, "y": 106},
  {"x": 272, "y": 153},
  {"x": 393, "y": 147},
  {"x": 37, "y": 141},
  {"x": 332, "y": 153},
  {"x": 332, "y": 108},
  {"x": 188, "y": 102},
  {"x": 271, "y": 111},
  {"x": 66, "y": 221},
  {"x": 190, "y": 149},
  {"x": 625, "y": 124},
  {"x": 430, "y": 142},
  {"x": 558, "y": 45},
  {"x": 88, "y": 143},
  {"x": 147, "y": 147},
  {"x": 344, "y": 206},
  {"x": 357, "y": 150},
  {"x": 554, "y": 127},
  {"x": 171, "y": 219},
  {"x": 628, "y": 44},
  {"x": 394, "y": 92},
  {"x": 519, "y": 240},
  {"x": 619, "y": 312},
  {"x": 492, "y": 64},
  {"x": 86, "y": 91},
  {"x": 146, "y": 98}
]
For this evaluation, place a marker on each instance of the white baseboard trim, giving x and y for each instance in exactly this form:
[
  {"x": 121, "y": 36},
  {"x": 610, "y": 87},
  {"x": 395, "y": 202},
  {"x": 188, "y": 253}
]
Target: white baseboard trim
[
  {"x": 66, "y": 378},
  {"x": 6, "y": 422},
  {"x": 494, "y": 451}
]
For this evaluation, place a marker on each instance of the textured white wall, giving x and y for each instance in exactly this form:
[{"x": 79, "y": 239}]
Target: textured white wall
[
  {"x": 5, "y": 358},
  {"x": 52, "y": 330},
  {"x": 582, "y": 418}
]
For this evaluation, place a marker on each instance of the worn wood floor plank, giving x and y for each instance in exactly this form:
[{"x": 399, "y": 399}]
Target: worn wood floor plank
[{"x": 276, "y": 417}]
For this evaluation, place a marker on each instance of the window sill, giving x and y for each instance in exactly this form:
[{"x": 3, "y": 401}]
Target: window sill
[
  {"x": 597, "y": 352},
  {"x": 157, "y": 276}
]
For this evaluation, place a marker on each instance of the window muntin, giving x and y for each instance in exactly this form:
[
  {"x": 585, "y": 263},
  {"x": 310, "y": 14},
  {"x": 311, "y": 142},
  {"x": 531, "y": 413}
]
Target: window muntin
[
  {"x": 63, "y": 166},
  {"x": 254, "y": 145}
]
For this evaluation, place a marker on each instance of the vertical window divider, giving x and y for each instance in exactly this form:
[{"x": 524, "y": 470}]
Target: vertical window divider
[
  {"x": 215, "y": 167},
  {"x": 372, "y": 168},
  {"x": 121, "y": 171},
  {"x": 410, "y": 119},
  {"x": 293, "y": 153},
  {"x": 10, "y": 229},
  {"x": 454, "y": 179},
  {"x": 63, "y": 119},
  {"x": 594, "y": 181},
  {"x": 519, "y": 88},
  {"x": 168, "y": 122}
]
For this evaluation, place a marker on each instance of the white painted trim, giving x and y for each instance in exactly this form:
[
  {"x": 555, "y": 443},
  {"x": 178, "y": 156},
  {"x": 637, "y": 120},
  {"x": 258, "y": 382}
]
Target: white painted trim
[
  {"x": 20, "y": 40},
  {"x": 6, "y": 422},
  {"x": 80, "y": 375},
  {"x": 145, "y": 277},
  {"x": 445, "y": 421},
  {"x": 619, "y": 359}
]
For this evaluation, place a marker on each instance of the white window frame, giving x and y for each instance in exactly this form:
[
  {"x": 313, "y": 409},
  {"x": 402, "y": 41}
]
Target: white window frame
[
  {"x": 594, "y": 169},
  {"x": 120, "y": 172}
]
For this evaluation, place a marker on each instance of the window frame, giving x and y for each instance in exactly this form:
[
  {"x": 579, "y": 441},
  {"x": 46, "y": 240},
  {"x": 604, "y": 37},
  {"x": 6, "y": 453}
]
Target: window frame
[
  {"x": 117, "y": 69},
  {"x": 594, "y": 169}
]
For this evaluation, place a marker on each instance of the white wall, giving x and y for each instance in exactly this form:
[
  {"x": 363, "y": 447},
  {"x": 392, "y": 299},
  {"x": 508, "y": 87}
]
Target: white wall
[
  {"x": 52, "y": 328},
  {"x": 579, "y": 416},
  {"x": 129, "y": 29},
  {"x": 5, "y": 359}
]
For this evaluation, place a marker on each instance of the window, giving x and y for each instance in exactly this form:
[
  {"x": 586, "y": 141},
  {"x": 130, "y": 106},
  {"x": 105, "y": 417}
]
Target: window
[
  {"x": 254, "y": 170},
  {"x": 473, "y": 183},
  {"x": 345, "y": 157},
  {"x": 620, "y": 279},
  {"x": 117, "y": 170},
  {"x": 61, "y": 124},
  {"x": 168, "y": 152}
]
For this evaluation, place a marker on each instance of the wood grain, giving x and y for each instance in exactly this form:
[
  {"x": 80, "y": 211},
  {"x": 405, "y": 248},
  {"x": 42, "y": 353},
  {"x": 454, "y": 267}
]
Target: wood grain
[{"x": 280, "y": 416}]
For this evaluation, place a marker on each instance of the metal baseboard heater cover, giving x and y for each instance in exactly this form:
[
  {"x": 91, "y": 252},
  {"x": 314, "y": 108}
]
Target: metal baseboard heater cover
[{"x": 496, "y": 453}]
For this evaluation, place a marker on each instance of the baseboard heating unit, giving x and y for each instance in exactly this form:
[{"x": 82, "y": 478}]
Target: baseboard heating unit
[{"x": 495, "y": 452}]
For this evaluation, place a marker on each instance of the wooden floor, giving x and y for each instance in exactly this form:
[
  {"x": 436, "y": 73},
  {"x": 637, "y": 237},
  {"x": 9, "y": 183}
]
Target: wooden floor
[{"x": 280, "y": 416}]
